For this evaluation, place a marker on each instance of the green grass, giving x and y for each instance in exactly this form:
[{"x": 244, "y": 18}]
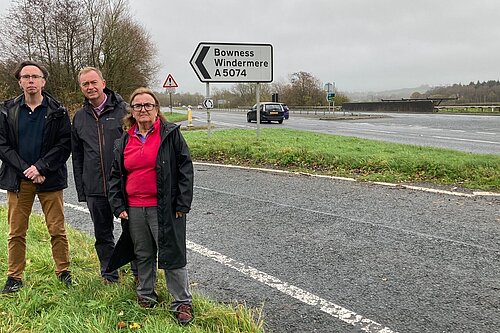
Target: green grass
[
  {"x": 175, "y": 117},
  {"x": 346, "y": 156},
  {"x": 45, "y": 305}
]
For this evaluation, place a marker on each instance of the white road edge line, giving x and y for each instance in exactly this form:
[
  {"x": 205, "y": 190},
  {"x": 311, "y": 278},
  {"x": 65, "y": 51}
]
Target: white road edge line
[
  {"x": 306, "y": 297},
  {"x": 411, "y": 187}
]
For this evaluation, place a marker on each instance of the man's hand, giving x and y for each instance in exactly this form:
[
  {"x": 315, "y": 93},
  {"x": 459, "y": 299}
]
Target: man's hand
[
  {"x": 123, "y": 215},
  {"x": 39, "y": 180},
  {"x": 31, "y": 173}
]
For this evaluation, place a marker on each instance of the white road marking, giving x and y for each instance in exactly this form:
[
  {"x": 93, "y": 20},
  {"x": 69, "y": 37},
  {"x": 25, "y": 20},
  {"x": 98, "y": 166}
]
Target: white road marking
[
  {"x": 306, "y": 297},
  {"x": 461, "y": 139},
  {"x": 487, "y": 133}
]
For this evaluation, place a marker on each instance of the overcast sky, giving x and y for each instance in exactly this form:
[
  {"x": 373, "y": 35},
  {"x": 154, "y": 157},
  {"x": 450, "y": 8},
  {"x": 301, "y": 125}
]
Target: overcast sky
[{"x": 361, "y": 45}]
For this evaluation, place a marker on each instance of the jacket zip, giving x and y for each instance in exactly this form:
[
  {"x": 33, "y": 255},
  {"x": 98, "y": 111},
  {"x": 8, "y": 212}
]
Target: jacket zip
[{"x": 100, "y": 134}]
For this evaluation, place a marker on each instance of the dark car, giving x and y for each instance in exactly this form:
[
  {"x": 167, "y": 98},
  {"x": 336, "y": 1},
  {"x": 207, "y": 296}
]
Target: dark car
[
  {"x": 286, "y": 110},
  {"x": 269, "y": 111}
]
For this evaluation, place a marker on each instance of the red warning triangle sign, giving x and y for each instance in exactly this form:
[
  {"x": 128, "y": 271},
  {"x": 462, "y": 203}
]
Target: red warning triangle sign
[{"x": 170, "y": 82}]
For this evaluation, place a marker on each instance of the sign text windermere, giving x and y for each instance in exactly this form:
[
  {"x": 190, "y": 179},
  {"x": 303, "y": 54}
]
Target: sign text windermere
[{"x": 223, "y": 62}]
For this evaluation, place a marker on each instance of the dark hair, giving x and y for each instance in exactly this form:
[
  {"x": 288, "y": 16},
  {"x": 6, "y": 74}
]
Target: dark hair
[{"x": 20, "y": 67}]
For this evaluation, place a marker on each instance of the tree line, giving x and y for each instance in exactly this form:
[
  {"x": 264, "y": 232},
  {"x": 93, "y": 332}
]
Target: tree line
[
  {"x": 67, "y": 35},
  {"x": 472, "y": 93},
  {"x": 301, "y": 89}
]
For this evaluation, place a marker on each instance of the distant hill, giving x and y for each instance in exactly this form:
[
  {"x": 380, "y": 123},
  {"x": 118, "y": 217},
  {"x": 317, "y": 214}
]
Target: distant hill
[
  {"x": 486, "y": 92},
  {"x": 373, "y": 96}
]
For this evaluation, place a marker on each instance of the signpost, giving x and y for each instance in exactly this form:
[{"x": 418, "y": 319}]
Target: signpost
[
  {"x": 170, "y": 85},
  {"x": 232, "y": 62},
  {"x": 330, "y": 95}
]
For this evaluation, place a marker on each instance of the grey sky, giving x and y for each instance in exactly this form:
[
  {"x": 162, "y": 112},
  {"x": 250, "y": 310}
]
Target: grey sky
[{"x": 361, "y": 45}]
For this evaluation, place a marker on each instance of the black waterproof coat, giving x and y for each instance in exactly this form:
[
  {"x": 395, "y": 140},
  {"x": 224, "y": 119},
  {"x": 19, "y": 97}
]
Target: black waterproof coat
[
  {"x": 175, "y": 176},
  {"x": 92, "y": 141},
  {"x": 56, "y": 146}
]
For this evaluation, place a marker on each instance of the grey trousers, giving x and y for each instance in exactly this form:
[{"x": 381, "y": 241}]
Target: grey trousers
[{"x": 143, "y": 226}]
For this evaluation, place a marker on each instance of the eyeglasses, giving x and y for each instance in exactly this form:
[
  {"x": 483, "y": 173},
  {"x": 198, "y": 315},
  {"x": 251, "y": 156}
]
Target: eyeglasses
[
  {"x": 147, "y": 107},
  {"x": 34, "y": 77}
]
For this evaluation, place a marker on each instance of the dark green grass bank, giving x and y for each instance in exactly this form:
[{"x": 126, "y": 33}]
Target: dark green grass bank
[{"x": 346, "y": 156}]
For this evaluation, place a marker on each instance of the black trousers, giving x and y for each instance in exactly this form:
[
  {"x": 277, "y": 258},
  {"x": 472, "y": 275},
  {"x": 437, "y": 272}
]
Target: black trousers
[{"x": 103, "y": 219}]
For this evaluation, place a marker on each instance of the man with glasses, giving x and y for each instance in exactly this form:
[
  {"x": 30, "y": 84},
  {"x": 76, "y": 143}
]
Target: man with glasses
[
  {"x": 35, "y": 142},
  {"x": 95, "y": 128}
]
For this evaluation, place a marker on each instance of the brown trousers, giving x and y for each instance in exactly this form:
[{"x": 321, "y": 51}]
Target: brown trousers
[{"x": 19, "y": 210}]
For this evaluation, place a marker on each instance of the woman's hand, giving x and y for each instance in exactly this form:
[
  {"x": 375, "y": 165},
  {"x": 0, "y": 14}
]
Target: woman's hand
[{"x": 179, "y": 215}]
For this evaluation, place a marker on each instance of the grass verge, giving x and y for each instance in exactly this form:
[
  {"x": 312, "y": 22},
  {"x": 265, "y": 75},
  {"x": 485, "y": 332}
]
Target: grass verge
[
  {"x": 175, "y": 117},
  {"x": 45, "y": 305},
  {"x": 347, "y": 156}
]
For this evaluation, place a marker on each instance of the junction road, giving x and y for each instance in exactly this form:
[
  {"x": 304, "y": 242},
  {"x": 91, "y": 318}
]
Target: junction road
[{"x": 330, "y": 255}]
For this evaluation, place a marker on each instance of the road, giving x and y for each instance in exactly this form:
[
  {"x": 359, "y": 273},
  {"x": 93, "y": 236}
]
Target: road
[
  {"x": 329, "y": 255},
  {"x": 468, "y": 133}
]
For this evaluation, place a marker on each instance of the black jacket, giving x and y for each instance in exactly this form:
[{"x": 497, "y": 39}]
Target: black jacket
[
  {"x": 174, "y": 180},
  {"x": 56, "y": 146},
  {"x": 92, "y": 140}
]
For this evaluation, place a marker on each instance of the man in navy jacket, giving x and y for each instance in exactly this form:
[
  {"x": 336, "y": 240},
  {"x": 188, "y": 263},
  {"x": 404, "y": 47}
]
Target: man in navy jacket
[{"x": 35, "y": 142}]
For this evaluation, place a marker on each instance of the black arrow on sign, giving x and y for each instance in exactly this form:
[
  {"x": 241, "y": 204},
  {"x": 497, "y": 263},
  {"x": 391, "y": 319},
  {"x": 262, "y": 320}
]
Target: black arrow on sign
[{"x": 199, "y": 62}]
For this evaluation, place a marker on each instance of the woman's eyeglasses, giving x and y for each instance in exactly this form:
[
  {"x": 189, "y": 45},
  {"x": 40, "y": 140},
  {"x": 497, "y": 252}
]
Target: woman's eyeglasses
[{"x": 147, "y": 107}]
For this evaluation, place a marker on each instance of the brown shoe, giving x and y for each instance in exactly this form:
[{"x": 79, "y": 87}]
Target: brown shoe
[
  {"x": 184, "y": 314},
  {"x": 146, "y": 302}
]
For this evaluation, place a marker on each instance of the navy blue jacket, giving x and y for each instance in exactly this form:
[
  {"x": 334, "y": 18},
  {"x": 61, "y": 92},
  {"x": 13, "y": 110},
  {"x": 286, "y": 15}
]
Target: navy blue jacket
[
  {"x": 92, "y": 140},
  {"x": 56, "y": 146}
]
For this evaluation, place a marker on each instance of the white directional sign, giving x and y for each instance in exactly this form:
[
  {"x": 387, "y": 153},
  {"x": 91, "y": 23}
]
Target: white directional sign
[
  {"x": 225, "y": 62},
  {"x": 208, "y": 103}
]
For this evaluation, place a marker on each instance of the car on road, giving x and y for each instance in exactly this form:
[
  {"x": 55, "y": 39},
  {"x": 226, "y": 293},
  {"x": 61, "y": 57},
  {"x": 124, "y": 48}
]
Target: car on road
[
  {"x": 269, "y": 111},
  {"x": 286, "y": 109}
]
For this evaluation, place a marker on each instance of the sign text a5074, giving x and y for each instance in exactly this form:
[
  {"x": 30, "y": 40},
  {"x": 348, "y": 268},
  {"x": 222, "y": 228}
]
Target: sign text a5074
[{"x": 226, "y": 62}]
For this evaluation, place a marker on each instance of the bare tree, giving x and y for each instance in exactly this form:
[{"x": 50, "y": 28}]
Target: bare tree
[
  {"x": 304, "y": 89},
  {"x": 67, "y": 35}
]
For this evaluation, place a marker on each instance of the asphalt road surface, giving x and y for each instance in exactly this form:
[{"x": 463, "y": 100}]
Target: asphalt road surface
[{"x": 329, "y": 255}]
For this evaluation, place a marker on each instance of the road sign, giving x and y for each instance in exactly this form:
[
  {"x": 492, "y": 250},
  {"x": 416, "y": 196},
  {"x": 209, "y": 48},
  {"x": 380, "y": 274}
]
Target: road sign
[
  {"x": 225, "y": 62},
  {"x": 330, "y": 97},
  {"x": 208, "y": 103},
  {"x": 170, "y": 82}
]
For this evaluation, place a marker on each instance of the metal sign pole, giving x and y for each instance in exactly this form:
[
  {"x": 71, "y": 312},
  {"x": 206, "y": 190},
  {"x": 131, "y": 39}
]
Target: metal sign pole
[
  {"x": 170, "y": 102},
  {"x": 257, "y": 112},
  {"x": 208, "y": 111}
]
